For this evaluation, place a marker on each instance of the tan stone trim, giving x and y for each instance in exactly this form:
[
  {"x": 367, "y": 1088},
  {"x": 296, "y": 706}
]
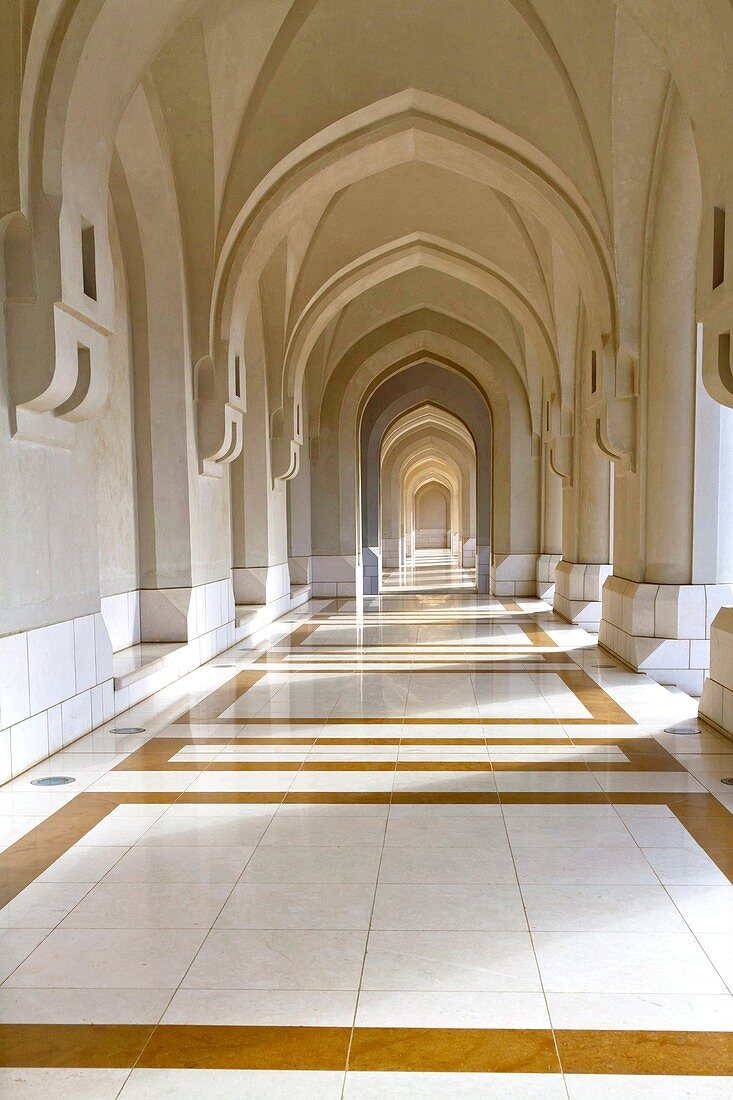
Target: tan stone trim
[{"x": 399, "y": 1050}]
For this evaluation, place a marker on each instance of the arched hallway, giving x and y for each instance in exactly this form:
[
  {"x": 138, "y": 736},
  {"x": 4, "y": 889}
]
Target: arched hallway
[{"x": 366, "y": 448}]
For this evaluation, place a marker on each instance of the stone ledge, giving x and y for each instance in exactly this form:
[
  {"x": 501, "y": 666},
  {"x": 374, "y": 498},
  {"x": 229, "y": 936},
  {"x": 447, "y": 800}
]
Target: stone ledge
[
  {"x": 251, "y": 618},
  {"x": 139, "y": 661}
]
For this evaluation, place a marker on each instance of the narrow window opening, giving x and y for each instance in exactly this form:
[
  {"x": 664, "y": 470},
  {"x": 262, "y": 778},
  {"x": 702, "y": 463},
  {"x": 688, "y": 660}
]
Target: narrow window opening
[
  {"x": 88, "y": 260},
  {"x": 84, "y": 368},
  {"x": 725, "y": 366},
  {"x": 547, "y": 416},
  {"x": 83, "y": 382},
  {"x": 718, "y": 246},
  {"x": 593, "y": 372},
  {"x": 297, "y": 419},
  {"x": 237, "y": 378}
]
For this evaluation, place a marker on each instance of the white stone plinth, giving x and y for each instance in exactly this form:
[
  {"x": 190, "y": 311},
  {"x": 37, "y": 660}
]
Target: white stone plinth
[
  {"x": 578, "y": 587},
  {"x": 662, "y": 629}
]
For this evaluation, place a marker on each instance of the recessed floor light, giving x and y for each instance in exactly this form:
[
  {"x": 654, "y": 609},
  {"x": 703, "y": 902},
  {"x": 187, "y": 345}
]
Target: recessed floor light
[
  {"x": 121, "y": 730},
  {"x": 53, "y": 781},
  {"x": 683, "y": 730}
]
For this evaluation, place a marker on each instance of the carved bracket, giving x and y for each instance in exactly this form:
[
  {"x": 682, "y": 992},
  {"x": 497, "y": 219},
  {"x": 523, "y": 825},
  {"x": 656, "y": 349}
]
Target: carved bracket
[
  {"x": 220, "y": 405},
  {"x": 613, "y": 404},
  {"x": 286, "y": 439},
  {"x": 558, "y": 437},
  {"x": 58, "y": 356}
]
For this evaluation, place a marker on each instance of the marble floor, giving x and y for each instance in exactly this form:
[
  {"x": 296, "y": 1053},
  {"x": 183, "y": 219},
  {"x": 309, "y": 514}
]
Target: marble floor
[
  {"x": 429, "y": 571},
  {"x": 432, "y": 847}
]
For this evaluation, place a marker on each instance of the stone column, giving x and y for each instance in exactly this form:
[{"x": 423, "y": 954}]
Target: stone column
[
  {"x": 586, "y": 519},
  {"x": 673, "y": 567},
  {"x": 551, "y": 529},
  {"x": 260, "y": 571}
]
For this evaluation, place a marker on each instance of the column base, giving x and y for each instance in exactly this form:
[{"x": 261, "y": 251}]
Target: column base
[
  {"x": 578, "y": 587},
  {"x": 371, "y": 568},
  {"x": 336, "y": 575},
  {"x": 662, "y": 629},
  {"x": 546, "y": 565},
  {"x": 391, "y": 552},
  {"x": 259, "y": 584},
  {"x": 716, "y": 703},
  {"x": 300, "y": 570},
  {"x": 468, "y": 553},
  {"x": 513, "y": 574}
]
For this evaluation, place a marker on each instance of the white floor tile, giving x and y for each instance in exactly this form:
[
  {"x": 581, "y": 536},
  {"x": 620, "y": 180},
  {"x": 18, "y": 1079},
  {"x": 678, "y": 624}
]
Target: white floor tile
[
  {"x": 83, "y": 1006},
  {"x": 71, "y": 958},
  {"x": 149, "y": 905},
  {"x": 460, "y": 961},
  {"x": 310, "y": 863},
  {"x": 624, "y": 962},
  {"x": 172, "y": 1084},
  {"x": 640, "y": 1012},
  {"x": 453, "y": 1086},
  {"x": 291, "y": 959},
  {"x": 179, "y": 864},
  {"x": 589, "y": 1087},
  {"x": 62, "y": 1084},
  {"x": 262, "y": 1007},
  {"x": 601, "y": 909},
  {"x": 448, "y": 907},
  {"x": 298, "y": 905},
  {"x": 385, "y": 1008}
]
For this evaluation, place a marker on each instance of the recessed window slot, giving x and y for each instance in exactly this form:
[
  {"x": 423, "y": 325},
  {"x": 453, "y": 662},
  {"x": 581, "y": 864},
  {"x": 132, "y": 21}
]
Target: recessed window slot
[
  {"x": 593, "y": 372},
  {"x": 718, "y": 245},
  {"x": 725, "y": 365},
  {"x": 88, "y": 260},
  {"x": 83, "y": 382},
  {"x": 237, "y": 377}
]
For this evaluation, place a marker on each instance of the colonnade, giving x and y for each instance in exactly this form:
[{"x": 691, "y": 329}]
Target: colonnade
[{"x": 254, "y": 322}]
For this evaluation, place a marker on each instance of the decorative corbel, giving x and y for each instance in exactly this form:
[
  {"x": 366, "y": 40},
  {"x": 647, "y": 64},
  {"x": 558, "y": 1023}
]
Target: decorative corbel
[
  {"x": 58, "y": 356},
  {"x": 220, "y": 404},
  {"x": 285, "y": 443},
  {"x": 613, "y": 404},
  {"x": 717, "y": 354},
  {"x": 558, "y": 437}
]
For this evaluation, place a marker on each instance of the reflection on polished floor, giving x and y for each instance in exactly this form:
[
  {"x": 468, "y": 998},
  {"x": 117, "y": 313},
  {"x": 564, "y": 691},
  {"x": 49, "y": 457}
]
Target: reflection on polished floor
[
  {"x": 429, "y": 571},
  {"x": 427, "y": 847}
]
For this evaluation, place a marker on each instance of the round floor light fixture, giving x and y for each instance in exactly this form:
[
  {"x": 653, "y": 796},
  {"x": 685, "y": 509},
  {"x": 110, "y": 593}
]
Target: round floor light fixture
[
  {"x": 728, "y": 781},
  {"x": 683, "y": 729},
  {"x": 53, "y": 781},
  {"x": 122, "y": 731}
]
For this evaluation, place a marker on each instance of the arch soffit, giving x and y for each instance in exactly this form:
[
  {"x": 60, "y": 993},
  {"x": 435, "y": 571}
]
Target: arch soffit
[
  {"x": 407, "y": 126},
  {"x": 422, "y": 421},
  {"x": 412, "y": 251},
  {"x": 387, "y": 349},
  {"x": 48, "y": 28},
  {"x": 436, "y": 436},
  {"x": 434, "y": 316},
  {"x": 433, "y": 450},
  {"x": 377, "y": 411}
]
